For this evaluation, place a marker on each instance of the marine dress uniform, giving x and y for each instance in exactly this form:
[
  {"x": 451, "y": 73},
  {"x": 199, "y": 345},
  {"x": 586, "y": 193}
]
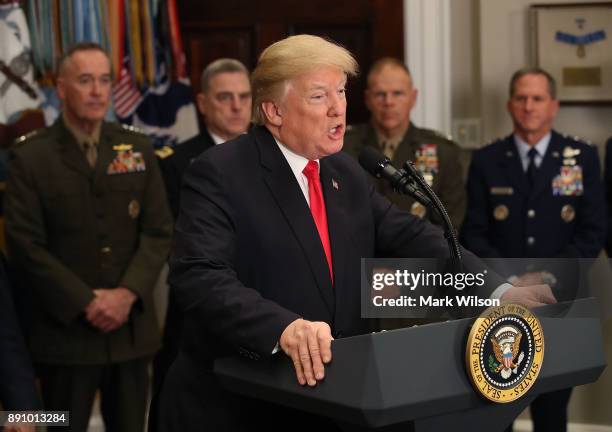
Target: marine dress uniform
[
  {"x": 435, "y": 156},
  {"x": 75, "y": 224},
  {"x": 552, "y": 207}
]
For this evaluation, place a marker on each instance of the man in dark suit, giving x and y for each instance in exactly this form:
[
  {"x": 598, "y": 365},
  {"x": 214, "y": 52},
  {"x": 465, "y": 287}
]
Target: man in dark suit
[
  {"x": 537, "y": 194},
  {"x": 225, "y": 105},
  {"x": 390, "y": 97},
  {"x": 17, "y": 386},
  {"x": 269, "y": 240},
  {"x": 88, "y": 230}
]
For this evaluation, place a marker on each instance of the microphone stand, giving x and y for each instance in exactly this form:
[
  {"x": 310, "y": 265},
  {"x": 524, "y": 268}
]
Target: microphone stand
[{"x": 449, "y": 231}]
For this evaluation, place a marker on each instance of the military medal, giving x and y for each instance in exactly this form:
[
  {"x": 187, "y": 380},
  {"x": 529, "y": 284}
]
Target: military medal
[
  {"x": 568, "y": 213},
  {"x": 580, "y": 40},
  {"x": 134, "y": 209},
  {"x": 568, "y": 182},
  {"x": 426, "y": 162},
  {"x": 501, "y": 212},
  {"x": 126, "y": 161}
]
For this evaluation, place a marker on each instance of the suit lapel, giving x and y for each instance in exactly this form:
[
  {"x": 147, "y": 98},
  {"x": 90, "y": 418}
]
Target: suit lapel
[
  {"x": 287, "y": 193},
  {"x": 512, "y": 168},
  {"x": 72, "y": 155}
]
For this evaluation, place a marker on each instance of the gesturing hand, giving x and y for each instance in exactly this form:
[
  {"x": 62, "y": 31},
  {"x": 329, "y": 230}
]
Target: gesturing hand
[{"x": 308, "y": 343}]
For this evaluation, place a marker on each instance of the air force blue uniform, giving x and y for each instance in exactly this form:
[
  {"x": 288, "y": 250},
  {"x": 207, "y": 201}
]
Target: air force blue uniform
[{"x": 562, "y": 215}]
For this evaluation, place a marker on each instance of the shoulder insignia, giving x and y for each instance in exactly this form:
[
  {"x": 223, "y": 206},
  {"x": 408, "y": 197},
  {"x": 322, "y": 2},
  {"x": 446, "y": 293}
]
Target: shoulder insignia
[
  {"x": 23, "y": 138},
  {"x": 131, "y": 128},
  {"x": 577, "y": 139},
  {"x": 29, "y": 135},
  {"x": 442, "y": 135},
  {"x": 164, "y": 152},
  {"x": 436, "y": 134}
]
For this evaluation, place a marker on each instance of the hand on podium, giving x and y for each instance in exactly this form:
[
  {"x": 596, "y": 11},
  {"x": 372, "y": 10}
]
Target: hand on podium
[
  {"x": 531, "y": 296},
  {"x": 308, "y": 343}
]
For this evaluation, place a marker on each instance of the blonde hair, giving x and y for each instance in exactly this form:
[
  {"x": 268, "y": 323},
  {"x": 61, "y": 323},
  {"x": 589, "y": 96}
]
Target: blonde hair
[{"x": 289, "y": 58}]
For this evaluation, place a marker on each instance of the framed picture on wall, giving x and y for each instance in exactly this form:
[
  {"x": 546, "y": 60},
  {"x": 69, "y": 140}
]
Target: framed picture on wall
[{"x": 572, "y": 41}]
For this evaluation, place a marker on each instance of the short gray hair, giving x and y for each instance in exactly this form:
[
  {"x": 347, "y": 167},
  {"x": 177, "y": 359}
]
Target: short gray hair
[
  {"x": 533, "y": 70},
  {"x": 222, "y": 65},
  {"x": 78, "y": 47}
]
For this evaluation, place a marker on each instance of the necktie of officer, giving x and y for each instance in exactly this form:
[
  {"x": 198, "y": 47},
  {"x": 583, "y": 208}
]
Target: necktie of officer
[
  {"x": 531, "y": 167},
  {"x": 317, "y": 208},
  {"x": 388, "y": 149},
  {"x": 91, "y": 153}
]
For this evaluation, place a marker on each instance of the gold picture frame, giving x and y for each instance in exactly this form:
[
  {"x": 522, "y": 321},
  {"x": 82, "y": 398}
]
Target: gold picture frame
[{"x": 573, "y": 42}]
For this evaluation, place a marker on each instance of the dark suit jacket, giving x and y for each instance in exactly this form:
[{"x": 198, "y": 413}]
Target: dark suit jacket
[
  {"x": 173, "y": 167},
  {"x": 72, "y": 228},
  {"x": 17, "y": 387},
  {"x": 248, "y": 261}
]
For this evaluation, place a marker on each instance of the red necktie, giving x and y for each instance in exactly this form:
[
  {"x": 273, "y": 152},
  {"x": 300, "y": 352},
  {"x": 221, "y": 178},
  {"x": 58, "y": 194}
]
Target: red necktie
[{"x": 317, "y": 208}]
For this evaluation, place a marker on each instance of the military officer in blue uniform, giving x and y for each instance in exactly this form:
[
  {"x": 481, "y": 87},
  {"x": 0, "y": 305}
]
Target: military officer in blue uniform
[{"x": 536, "y": 194}]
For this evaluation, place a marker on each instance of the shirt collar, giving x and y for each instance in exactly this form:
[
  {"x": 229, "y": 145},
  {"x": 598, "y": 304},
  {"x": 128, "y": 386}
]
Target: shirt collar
[
  {"x": 541, "y": 146},
  {"x": 80, "y": 136},
  {"x": 295, "y": 161},
  {"x": 216, "y": 138}
]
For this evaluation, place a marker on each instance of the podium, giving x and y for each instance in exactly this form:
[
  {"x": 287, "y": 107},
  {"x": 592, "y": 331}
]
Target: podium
[{"x": 415, "y": 379}]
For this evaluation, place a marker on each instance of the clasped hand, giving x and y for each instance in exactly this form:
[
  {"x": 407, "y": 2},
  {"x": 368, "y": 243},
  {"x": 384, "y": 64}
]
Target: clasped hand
[{"x": 110, "y": 308}]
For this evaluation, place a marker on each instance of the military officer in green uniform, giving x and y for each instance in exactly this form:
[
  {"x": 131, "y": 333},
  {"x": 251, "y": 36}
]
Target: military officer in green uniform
[
  {"x": 390, "y": 97},
  {"x": 88, "y": 229}
]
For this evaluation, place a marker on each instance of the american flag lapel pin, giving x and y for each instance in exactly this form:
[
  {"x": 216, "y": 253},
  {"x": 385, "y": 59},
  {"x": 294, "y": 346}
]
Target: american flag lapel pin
[{"x": 335, "y": 184}]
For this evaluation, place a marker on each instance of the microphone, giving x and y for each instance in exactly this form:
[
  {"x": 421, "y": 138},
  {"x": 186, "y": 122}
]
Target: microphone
[
  {"x": 409, "y": 181},
  {"x": 401, "y": 181}
]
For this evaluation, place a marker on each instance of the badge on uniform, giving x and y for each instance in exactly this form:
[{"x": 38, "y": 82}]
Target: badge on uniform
[
  {"x": 568, "y": 213},
  {"x": 126, "y": 161},
  {"x": 426, "y": 162},
  {"x": 134, "y": 209},
  {"x": 568, "y": 182},
  {"x": 418, "y": 210},
  {"x": 499, "y": 190},
  {"x": 501, "y": 212}
]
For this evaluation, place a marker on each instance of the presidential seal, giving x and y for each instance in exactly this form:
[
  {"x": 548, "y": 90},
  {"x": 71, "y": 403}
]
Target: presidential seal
[{"x": 504, "y": 353}]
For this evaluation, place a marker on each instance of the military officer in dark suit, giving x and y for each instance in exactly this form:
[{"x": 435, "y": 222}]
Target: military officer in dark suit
[
  {"x": 536, "y": 194},
  {"x": 88, "y": 230},
  {"x": 225, "y": 105},
  {"x": 390, "y": 97}
]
